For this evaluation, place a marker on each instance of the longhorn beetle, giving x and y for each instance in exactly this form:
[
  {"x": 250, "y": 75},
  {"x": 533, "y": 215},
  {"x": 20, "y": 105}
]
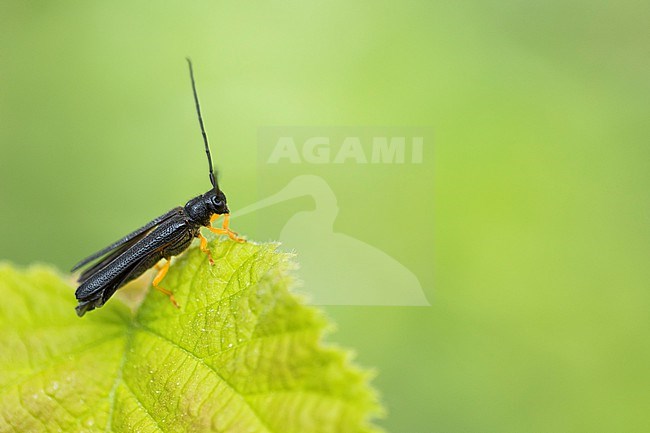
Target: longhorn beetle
[{"x": 168, "y": 235}]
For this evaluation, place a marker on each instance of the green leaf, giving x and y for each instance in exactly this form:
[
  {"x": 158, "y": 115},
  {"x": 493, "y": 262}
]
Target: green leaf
[{"x": 242, "y": 354}]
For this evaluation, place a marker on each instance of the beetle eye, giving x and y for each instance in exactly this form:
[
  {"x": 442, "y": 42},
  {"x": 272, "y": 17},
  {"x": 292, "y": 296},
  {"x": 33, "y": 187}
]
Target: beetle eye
[{"x": 217, "y": 202}]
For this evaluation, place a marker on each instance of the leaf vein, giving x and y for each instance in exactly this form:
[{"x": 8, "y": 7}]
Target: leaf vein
[{"x": 216, "y": 372}]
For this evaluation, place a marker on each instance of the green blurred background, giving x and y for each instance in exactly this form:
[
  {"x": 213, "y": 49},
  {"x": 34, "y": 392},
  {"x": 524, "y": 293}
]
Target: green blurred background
[{"x": 527, "y": 225}]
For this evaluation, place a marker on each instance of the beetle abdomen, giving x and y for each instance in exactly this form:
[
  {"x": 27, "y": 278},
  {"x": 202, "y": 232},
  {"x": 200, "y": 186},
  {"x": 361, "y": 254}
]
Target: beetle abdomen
[{"x": 170, "y": 238}]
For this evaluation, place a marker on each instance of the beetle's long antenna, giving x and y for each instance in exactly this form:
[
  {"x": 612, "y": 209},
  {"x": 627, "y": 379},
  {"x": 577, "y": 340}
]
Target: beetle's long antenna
[{"x": 213, "y": 179}]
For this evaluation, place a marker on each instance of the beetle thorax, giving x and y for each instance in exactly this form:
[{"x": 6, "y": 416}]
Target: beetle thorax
[{"x": 199, "y": 210}]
